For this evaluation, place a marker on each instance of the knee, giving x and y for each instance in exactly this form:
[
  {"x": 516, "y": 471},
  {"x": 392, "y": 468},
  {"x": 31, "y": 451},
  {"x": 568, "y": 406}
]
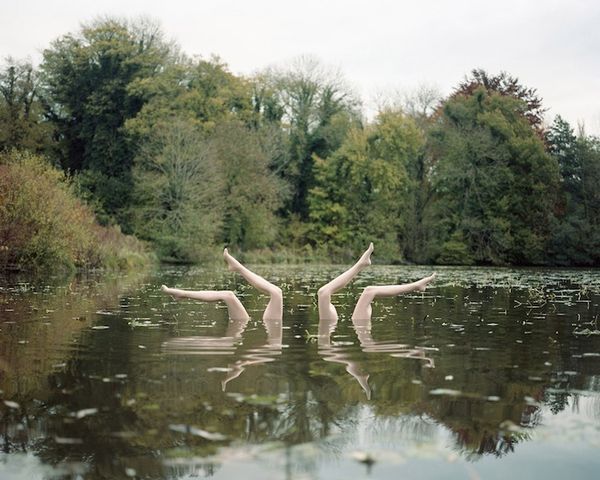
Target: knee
[
  {"x": 276, "y": 292},
  {"x": 229, "y": 296},
  {"x": 369, "y": 292}
]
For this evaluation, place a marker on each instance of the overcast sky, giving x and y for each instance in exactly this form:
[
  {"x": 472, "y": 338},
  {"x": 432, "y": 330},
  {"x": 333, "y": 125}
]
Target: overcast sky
[{"x": 379, "y": 45}]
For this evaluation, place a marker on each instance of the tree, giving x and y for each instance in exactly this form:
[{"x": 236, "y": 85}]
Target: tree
[
  {"x": 195, "y": 190},
  {"x": 177, "y": 202},
  {"x": 506, "y": 85},
  {"x": 251, "y": 193},
  {"x": 87, "y": 79},
  {"x": 576, "y": 234},
  {"x": 204, "y": 92},
  {"x": 364, "y": 191},
  {"x": 317, "y": 109},
  {"x": 22, "y": 125},
  {"x": 493, "y": 186}
]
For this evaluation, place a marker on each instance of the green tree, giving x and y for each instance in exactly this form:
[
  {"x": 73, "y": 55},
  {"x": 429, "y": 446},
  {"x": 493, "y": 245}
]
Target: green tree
[
  {"x": 88, "y": 80},
  {"x": 250, "y": 193},
  {"x": 576, "y": 234},
  {"x": 177, "y": 193},
  {"x": 195, "y": 190},
  {"x": 365, "y": 190},
  {"x": 22, "y": 124},
  {"x": 317, "y": 109},
  {"x": 203, "y": 92},
  {"x": 493, "y": 187}
]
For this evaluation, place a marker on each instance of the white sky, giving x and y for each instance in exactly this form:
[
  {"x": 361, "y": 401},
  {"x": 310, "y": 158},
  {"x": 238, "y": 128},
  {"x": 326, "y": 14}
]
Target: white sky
[{"x": 380, "y": 45}]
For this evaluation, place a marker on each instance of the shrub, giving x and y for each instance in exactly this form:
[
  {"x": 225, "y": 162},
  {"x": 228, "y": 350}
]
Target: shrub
[{"x": 43, "y": 225}]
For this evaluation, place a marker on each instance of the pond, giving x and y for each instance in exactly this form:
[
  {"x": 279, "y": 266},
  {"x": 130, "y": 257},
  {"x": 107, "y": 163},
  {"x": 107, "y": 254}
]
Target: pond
[{"x": 489, "y": 373}]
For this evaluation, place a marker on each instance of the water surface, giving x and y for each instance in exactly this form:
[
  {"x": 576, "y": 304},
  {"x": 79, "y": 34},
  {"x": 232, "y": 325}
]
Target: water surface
[{"x": 489, "y": 373}]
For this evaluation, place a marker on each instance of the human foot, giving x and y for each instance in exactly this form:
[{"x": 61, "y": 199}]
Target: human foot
[
  {"x": 422, "y": 284},
  {"x": 365, "y": 259},
  {"x": 232, "y": 264},
  {"x": 171, "y": 291}
]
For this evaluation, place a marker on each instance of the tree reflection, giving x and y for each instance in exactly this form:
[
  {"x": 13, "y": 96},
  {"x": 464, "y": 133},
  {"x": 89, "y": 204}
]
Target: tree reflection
[{"x": 186, "y": 403}]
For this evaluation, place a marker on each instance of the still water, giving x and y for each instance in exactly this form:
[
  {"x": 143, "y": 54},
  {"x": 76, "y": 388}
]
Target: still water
[{"x": 490, "y": 373}]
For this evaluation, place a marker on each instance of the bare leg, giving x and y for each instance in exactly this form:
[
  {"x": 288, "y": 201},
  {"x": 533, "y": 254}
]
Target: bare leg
[
  {"x": 274, "y": 310},
  {"x": 362, "y": 312},
  {"x": 326, "y": 309},
  {"x": 234, "y": 306}
]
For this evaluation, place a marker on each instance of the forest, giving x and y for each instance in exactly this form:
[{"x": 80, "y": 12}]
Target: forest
[{"x": 120, "y": 142}]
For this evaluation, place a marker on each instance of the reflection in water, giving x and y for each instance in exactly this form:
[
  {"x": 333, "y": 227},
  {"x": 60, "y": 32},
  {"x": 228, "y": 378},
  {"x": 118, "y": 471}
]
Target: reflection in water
[
  {"x": 111, "y": 384},
  {"x": 226, "y": 345},
  {"x": 332, "y": 352}
]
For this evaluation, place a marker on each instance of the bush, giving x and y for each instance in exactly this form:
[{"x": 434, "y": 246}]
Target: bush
[{"x": 43, "y": 225}]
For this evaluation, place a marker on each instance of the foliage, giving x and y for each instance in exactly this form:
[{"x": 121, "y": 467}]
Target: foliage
[
  {"x": 190, "y": 156},
  {"x": 576, "y": 232},
  {"x": 44, "y": 226},
  {"x": 507, "y": 85},
  {"x": 364, "y": 190},
  {"x": 176, "y": 188},
  {"x": 203, "y": 92},
  {"x": 22, "y": 125},
  {"x": 493, "y": 185},
  {"x": 317, "y": 109},
  {"x": 87, "y": 80},
  {"x": 250, "y": 191},
  {"x": 196, "y": 190}
]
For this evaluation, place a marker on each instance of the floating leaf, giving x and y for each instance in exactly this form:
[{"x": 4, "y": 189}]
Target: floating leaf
[
  {"x": 445, "y": 391},
  {"x": 216, "y": 437},
  {"x": 68, "y": 441},
  {"x": 85, "y": 412}
]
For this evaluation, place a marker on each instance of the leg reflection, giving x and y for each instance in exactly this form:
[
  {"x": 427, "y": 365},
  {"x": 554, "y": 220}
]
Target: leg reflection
[
  {"x": 332, "y": 353},
  {"x": 272, "y": 318},
  {"x": 397, "y": 350},
  {"x": 256, "y": 356},
  {"x": 361, "y": 320}
]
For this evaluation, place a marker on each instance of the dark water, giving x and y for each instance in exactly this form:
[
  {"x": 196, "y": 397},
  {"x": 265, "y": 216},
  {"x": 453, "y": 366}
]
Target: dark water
[{"x": 491, "y": 373}]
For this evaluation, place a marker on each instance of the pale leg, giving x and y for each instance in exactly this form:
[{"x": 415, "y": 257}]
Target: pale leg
[
  {"x": 274, "y": 310},
  {"x": 326, "y": 309},
  {"x": 234, "y": 306},
  {"x": 362, "y": 311}
]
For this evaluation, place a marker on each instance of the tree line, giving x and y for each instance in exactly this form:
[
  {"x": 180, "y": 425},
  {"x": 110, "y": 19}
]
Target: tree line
[{"x": 182, "y": 153}]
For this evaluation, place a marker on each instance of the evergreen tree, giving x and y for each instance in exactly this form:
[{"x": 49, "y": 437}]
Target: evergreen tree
[
  {"x": 493, "y": 185},
  {"x": 576, "y": 233}
]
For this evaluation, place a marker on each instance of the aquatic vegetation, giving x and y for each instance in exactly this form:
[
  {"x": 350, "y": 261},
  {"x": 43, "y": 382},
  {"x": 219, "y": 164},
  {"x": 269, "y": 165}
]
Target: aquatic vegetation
[{"x": 486, "y": 366}]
